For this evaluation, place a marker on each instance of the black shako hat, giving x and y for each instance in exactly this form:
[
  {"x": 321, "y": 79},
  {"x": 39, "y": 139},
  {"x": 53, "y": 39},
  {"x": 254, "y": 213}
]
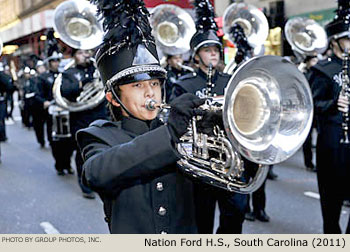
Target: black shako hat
[
  {"x": 128, "y": 52},
  {"x": 52, "y": 51},
  {"x": 205, "y": 25},
  {"x": 340, "y": 25}
]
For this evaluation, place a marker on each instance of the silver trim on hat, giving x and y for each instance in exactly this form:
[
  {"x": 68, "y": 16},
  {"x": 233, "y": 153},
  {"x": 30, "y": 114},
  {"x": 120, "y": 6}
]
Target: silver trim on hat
[
  {"x": 340, "y": 35},
  {"x": 135, "y": 70}
]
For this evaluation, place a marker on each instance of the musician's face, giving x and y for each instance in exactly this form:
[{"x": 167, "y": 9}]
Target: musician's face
[
  {"x": 345, "y": 43},
  {"x": 54, "y": 64},
  {"x": 134, "y": 96},
  {"x": 174, "y": 60},
  {"x": 40, "y": 69},
  {"x": 210, "y": 54},
  {"x": 82, "y": 57}
]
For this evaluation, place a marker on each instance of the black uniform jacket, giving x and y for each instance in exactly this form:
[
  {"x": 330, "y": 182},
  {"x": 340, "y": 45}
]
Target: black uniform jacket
[
  {"x": 325, "y": 81},
  {"x": 71, "y": 89},
  {"x": 196, "y": 83},
  {"x": 173, "y": 75},
  {"x": 333, "y": 158},
  {"x": 6, "y": 84},
  {"x": 45, "y": 83},
  {"x": 132, "y": 167}
]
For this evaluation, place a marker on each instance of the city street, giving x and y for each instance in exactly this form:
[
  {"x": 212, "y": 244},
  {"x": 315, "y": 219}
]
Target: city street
[{"x": 35, "y": 200}]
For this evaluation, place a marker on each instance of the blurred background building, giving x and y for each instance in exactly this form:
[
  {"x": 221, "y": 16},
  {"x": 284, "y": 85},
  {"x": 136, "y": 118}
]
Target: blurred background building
[{"x": 23, "y": 23}]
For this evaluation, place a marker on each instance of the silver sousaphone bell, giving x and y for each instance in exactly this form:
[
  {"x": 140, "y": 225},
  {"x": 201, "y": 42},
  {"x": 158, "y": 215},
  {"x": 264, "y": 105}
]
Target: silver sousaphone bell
[
  {"x": 254, "y": 24},
  {"x": 77, "y": 25},
  {"x": 306, "y": 36},
  {"x": 172, "y": 28}
]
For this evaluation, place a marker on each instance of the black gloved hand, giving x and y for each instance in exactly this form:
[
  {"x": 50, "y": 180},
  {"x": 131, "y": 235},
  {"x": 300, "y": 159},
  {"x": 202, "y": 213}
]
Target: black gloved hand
[
  {"x": 181, "y": 112},
  {"x": 209, "y": 121}
]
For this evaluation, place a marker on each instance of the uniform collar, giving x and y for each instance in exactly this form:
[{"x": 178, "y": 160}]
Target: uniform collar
[
  {"x": 175, "y": 70},
  {"x": 52, "y": 72},
  {"x": 204, "y": 75},
  {"x": 334, "y": 58},
  {"x": 138, "y": 127}
]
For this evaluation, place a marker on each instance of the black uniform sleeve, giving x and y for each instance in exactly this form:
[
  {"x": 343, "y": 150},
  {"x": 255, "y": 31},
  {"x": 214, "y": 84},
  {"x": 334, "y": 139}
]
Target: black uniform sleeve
[
  {"x": 324, "y": 95},
  {"x": 110, "y": 168},
  {"x": 40, "y": 92}
]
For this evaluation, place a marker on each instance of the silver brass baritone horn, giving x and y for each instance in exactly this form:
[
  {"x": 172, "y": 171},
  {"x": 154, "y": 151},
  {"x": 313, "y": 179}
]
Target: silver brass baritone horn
[{"x": 267, "y": 113}]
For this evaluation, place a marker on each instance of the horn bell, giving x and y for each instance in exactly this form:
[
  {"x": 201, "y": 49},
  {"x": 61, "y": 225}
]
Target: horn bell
[
  {"x": 77, "y": 25},
  {"x": 172, "y": 28},
  {"x": 251, "y": 19},
  {"x": 268, "y": 109},
  {"x": 306, "y": 36}
]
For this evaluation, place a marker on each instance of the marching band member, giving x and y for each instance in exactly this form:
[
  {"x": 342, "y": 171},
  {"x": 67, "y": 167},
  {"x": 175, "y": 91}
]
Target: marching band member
[
  {"x": 38, "y": 111},
  {"x": 73, "y": 81},
  {"x": 6, "y": 86},
  {"x": 61, "y": 148},
  {"x": 131, "y": 161},
  {"x": 332, "y": 156},
  {"x": 206, "y": 48},
  {"x": 174, "y": 72}
]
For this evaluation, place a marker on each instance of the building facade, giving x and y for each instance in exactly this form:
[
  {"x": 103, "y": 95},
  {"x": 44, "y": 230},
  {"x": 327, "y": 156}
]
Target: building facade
[{"x": 22, "y": 22}]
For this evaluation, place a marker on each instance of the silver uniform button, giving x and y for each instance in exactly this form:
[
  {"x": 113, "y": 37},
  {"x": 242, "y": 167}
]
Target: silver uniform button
[
  {"x": 163, "y": 232},
  {"x": 162, "y": 211},
  {"x": 160, "y": 186}
]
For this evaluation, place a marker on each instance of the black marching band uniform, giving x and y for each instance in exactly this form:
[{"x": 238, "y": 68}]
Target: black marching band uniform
[
  {"x": 37, "y": 109},
  {"x": 131, "y": 163},
  {"x": 196, "y": 83},
  {"x": 232, "y": 205},
  {"x": 173, "y": 75},
  {"x": 24, "y": 85},
  {"x": 73, "y": 81},
  {"x": 6, "y": 86},
  {"x": 332, "y": 157},
  {"x": 61, "y": 148}
]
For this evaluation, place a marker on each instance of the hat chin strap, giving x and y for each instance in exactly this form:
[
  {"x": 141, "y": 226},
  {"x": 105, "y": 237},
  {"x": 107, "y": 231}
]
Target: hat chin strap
[
  {"x": 201, "y": 61},
  {"x": 340, "y": 47},
  {"x": 206, "y": 66}
]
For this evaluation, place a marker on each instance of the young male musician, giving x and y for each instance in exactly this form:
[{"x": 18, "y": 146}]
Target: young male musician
[{"x": 131, "y": 161}]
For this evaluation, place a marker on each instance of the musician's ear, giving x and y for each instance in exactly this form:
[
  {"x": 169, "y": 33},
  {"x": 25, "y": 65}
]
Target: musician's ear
[
  {"x": 110, "y": 99},
  {"x": 196, "y": 58}
]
